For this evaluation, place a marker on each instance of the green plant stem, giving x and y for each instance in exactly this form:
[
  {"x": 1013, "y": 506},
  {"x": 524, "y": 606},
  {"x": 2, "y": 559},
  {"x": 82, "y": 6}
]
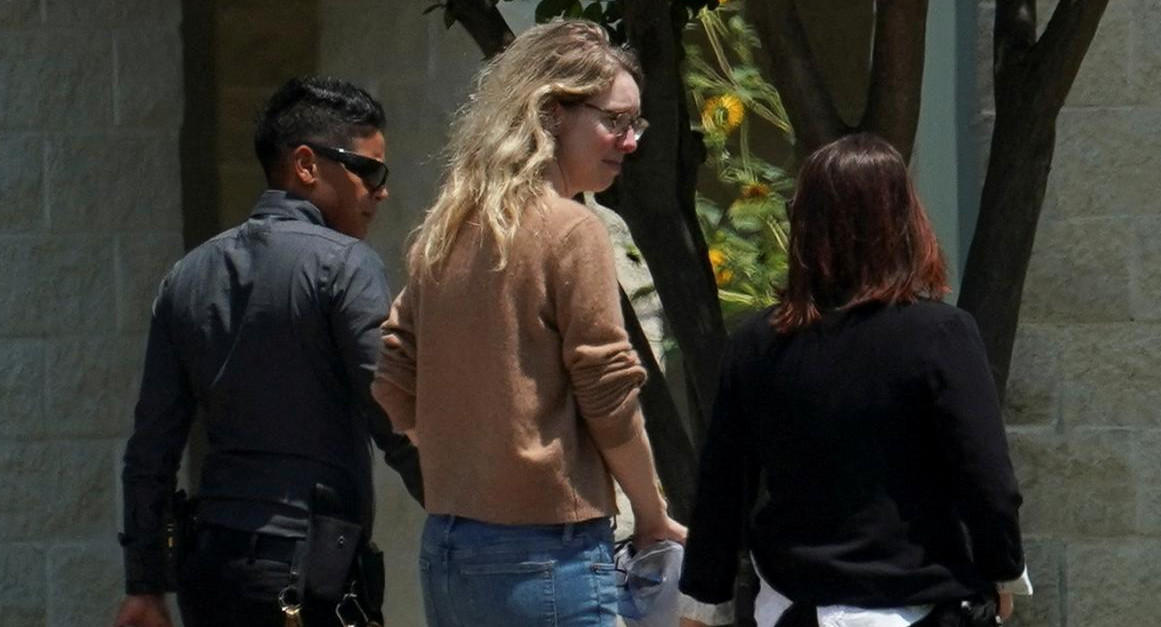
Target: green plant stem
[
  {"x": 744, "y": 145},
  {"x": 708, "y": 21},
  {"x": 779, "y": 234}
]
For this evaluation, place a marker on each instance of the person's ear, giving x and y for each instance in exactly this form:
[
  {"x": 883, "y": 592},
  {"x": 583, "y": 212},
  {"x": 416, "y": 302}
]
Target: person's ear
[
  {"x": 553, "y": 118},
  {"x": 304, "y": 165}
]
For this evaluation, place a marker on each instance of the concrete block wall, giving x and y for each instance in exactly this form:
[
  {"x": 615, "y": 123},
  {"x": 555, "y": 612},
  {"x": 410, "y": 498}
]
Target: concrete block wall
[
  {"x": 1083, "y": 400},
  {"x": 257, "y": 46},
  {"x": 90, "y": 218},
  {"x": 421, "y": 72}
]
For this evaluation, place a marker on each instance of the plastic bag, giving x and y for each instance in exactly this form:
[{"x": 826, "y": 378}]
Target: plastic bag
[{"x": 649, "y": 595}]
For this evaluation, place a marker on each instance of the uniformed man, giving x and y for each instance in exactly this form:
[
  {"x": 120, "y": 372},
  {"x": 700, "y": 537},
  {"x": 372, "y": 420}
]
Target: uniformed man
[{"x": 269, "y": 332}]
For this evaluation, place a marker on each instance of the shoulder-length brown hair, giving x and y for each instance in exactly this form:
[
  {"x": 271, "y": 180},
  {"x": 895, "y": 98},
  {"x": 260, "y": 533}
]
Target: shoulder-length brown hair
[{"x": 858, "y": 234}]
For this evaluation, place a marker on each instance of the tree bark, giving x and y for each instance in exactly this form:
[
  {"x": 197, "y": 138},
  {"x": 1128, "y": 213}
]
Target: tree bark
[
  {"x": 656, "y": 199},
  {"x": 672, "y": 450},
  {"x": 1032, "y": 79},
  {"x": 483, "y": 22},
  {"x": 897, "y": 72},
  {"x": 896, "y": 66},
  {"x": 786, "y": 56}
]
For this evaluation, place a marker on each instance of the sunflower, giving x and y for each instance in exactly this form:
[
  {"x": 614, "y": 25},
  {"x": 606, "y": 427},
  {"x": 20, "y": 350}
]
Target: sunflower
[
  {"x": 717, "y": 258},
  {"x": 755, "y": 191},
  {"x": 723, "y": 113}
]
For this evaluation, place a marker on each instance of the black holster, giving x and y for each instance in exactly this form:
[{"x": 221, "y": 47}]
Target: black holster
[
  {"x": 372, "y": 580},
  {"x": 340, "y": 559},
  {"x": 331, "y": 546}
]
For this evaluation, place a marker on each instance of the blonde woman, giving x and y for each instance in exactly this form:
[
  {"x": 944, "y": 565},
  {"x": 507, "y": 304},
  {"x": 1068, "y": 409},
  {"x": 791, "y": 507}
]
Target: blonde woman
[{"x": 505, "y": 358}]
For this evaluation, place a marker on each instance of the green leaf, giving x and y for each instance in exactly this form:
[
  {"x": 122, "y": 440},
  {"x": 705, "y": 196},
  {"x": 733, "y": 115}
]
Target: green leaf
[
  {"x": 749, "y": 212},
  {"x": 548, "y": 9},
  {"x": 594, "y": 12},
  {"x": 618, "y": 34},
  {"x": 741, "y": 245},
  {"x": 736, "y": 298},
  {"x": 613, "y": 11}
]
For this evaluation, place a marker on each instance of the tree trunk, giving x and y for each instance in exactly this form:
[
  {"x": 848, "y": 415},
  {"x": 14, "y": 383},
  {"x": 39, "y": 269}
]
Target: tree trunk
[
  {"x": 483, "y": 22},
  {"x": 672, "y": 450},
  {"x": 897, "y": 72},
  {"x": 656, "y": 199},
  {"x": 895, "y": 64},
  {"x": 1032, "y": 79},
  {"x": 785, "y": 55}
]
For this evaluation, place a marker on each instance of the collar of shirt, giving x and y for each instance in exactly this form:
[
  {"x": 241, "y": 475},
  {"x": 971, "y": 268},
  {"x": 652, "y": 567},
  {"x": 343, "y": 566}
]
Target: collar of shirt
[{"x": 277, "y": 202}]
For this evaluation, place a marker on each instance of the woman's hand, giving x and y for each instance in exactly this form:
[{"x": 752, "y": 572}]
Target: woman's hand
[
  {"x": 631, "y": 464},
  {"x": 646, "y": 533}
]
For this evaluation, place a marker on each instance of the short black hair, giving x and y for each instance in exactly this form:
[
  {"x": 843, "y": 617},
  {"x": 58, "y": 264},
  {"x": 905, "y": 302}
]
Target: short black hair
[{"x": 319, "y": 109}]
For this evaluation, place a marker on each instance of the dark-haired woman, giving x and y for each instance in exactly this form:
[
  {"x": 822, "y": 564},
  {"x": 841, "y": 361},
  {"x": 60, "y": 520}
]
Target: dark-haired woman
[{"x": 865, "y": 409}]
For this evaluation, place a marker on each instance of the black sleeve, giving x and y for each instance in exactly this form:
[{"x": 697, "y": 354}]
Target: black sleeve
[
  {"x": 165, "y": 410},
  {"x": 362, "y": 301},
  {"x": 970, "y": 430},
  {"x": 725, "y": 473}
]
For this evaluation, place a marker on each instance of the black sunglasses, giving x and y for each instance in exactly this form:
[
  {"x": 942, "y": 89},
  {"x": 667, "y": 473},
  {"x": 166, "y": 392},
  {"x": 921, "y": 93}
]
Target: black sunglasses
[{"x": 372, "y": 171}]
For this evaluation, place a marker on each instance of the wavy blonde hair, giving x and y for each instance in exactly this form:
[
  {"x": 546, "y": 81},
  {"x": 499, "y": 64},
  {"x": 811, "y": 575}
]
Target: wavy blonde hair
[{"x": 502, "y": 142}]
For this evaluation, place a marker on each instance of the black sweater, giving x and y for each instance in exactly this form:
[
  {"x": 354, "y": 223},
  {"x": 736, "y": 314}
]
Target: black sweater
[{"x": 877, "y": 435}]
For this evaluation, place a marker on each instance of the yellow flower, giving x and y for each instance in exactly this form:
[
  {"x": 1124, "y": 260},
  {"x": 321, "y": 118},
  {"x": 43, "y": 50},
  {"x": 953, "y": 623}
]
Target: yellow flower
[
  {"x": 716, "y": 257},
  {"x": 724, "y": 113},
  {"x": 722, "y": 275},
  {"x": 755, "y": 190}
]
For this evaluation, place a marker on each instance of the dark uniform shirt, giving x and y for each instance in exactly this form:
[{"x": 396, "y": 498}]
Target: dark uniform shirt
[{"x": 269, "y": 333}]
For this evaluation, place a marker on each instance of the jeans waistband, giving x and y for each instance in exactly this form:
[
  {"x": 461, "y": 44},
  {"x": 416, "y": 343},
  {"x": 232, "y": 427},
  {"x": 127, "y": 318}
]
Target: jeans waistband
[{"x": 457, "y": 532}]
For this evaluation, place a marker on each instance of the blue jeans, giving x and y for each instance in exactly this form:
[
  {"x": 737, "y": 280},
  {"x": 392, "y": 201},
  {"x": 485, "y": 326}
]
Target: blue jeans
[{"x": 477, "y": 574}]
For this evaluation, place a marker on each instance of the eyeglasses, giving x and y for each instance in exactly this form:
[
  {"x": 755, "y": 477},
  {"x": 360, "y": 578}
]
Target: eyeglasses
[
  {"x": 373, "y": 172},
  {"x": 619, "y": 122}
]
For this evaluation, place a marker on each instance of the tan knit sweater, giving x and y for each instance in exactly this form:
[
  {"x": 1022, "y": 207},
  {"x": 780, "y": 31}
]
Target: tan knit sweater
[{"x": 513, "y": 380}]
